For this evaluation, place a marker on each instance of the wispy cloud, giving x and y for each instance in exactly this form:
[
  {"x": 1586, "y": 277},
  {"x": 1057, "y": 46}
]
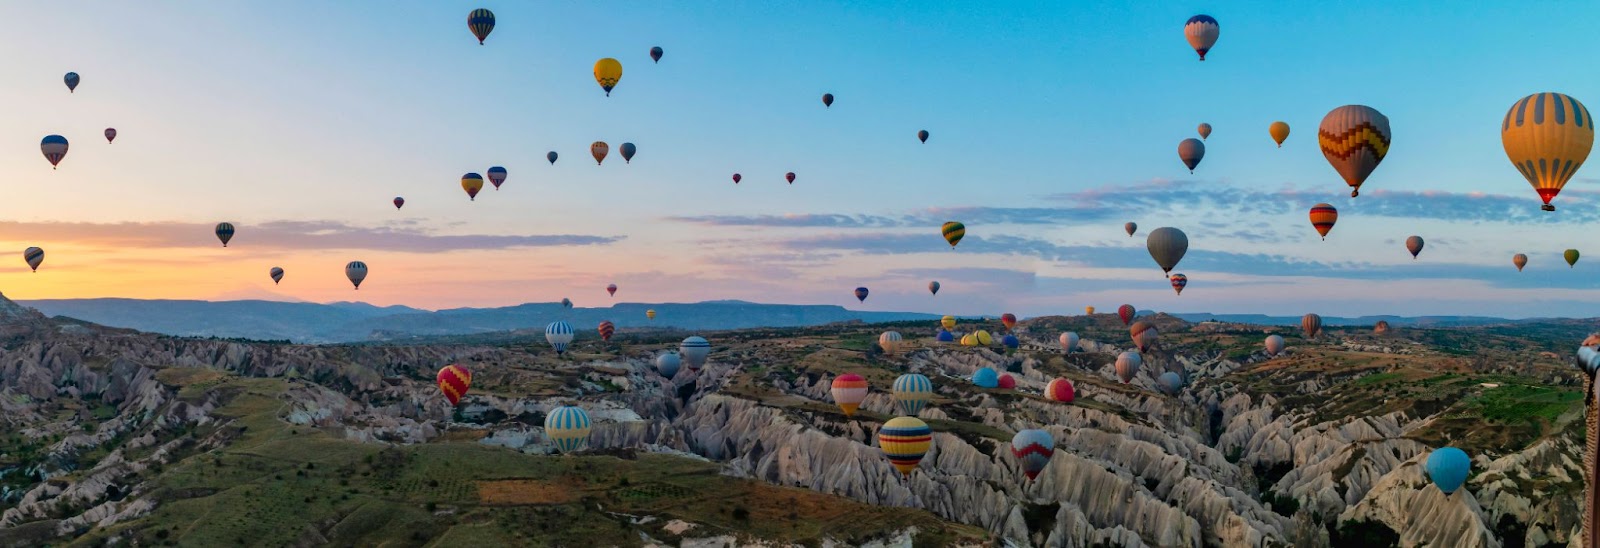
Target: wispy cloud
[{"x": 297, "y": 235}]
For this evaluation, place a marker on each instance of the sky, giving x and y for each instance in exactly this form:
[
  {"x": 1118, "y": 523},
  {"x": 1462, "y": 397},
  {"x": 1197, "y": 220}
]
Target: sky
[{"x": 1052, "y": 124}]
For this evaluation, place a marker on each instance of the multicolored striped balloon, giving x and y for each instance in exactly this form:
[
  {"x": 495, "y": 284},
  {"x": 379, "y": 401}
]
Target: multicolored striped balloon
[
  {"x": 224, "y": 232},
  {"x": 277, "y": 275},
  {"x": 453, "y": 381},
  {"x": 1201, "y": 31},
  {"x": 1354, "y": 139},
  {"x": 890, "y": 342},
  {"x": 1009, "y": 320},
  {"x": 1179, "y": 281},
  {"x": 905, "y": 440},
  {"x": 497, "y": 175},
  {"x": 1060, "y": 390},
  {"x": 1069, "y": 342},
  {"x": 472, "y": 183},
  {"x": 1143, "y": 335},
  {"x": 34, "y": 256},
  {"x": 912, "y": 391},
  {"x": 1311, "y": 324},
  {"x": 356, "y": 271},
  {"x": 481, "y": 23},
  {"x": 1547, "y": 136},
  {"x": 567, "y": 427},
  {"x": 1128, "y": 366},
  {"x": 849, "y": 390},
  {"x": 1323, "y": 216},
  {"x": 1033, "y": 448},
  {"x": 606, "y": 330},
  {"x": 54, "y": 148},
  {"x": 953, "y": 232}
]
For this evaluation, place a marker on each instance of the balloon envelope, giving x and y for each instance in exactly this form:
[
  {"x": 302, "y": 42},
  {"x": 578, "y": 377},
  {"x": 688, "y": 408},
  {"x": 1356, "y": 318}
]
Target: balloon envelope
[
  {"x": 224, "y": 232},
  {"x": 1279, "y": 132},
  {"x": 945, "y": 336},
  {"x": 35, "y": 256},
  {"x": 398, "y": 201},
  {"x": 453, "y": 381},
  {"x": 1059, "y": 390},
  {"x": 861, "y": 294},
  {"x": 953, "y": 232},
  {"x": 1130, "y": 227},
  {"x": 1354, "y": 139},
  {"x": 628, "y": 150},
  {"x": 1571, "y": 255},
  {"x": 695, "y": 349},
  {"x": 71, "y": 80},
  {"x": 356, "y": 271},
  {"x": 922, "y": 135},
  {"x": 111, "y": 134},
  {"x": 1179, "y": 281},
  {"x": 1547, "y": 137},
  {"x": 1170, "y": 383},
  {"x": 890, "y": 342},
  {"x": 933, "y": 287},
  {"x": 472, "y": 183},
  {"x": 607, "y": 72},
  {"x": 848, "y": 391},
  {"x": 1010, "y": 341},
  {"x": 497, "y": 175},
  {"x": 1126, "y": 312},
  {"x": 1204, "y": 130},
  {"x": 655, "y": 53},
  {"x": 1448, "y": 467},
  {"x": 276, "y": 274},
  {"x": 480, "y": 22},
  {"x": 612, "y": 289},
  {"x": 1008, "y": 319},
  {"x": 948, "y": 322},
  {"x": 1069, "y": 341},
  {"x": 599, "y": 149},
  {"x": 1520, "y": 261},
  {"x": 668, "y": 364},
  {"x": 607, "y": 329},
  {"x": 1323, "y": 216},
  {"x": 1167, "y": 246},
  {"x": 1414, "y": 245},
  {"x": 54, "y": 148},
  {"x": 1311, "y": 324},
  {"x": 567, "y": 427},
  {"x": 905, "y": 440},
  {"x": 911, "y": 393},
  {"x": 827, "y": 99},
  {"x": 559, "y": 334},
  {"x": 1191, "y": 151},
  {"x": 1128, "y": 365},
  {"x": 1201, "y": 31},
  {"x": 986, "y": 377},
  {"x": 1143, "y": 334},
  {"x": 552, "y": 157},
  {"x": 1274, "y": 345},
  {"x": 1033, "y": 449}
]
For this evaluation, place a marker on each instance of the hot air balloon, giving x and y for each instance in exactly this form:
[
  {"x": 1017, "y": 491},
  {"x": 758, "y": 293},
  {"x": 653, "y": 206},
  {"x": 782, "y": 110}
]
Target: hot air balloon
[
  {"x": 552, "y": 157},
  {"x": 1088, "y": 310},
  {"x": 1547, "y": 136},
  {"x": 356, "y": 271},
  {"x": 890, "y": 342},
  {"x": 1191, "y": 151},
  {"x": 737, "y": 178},
  {"x": 1354, "y": 138},
  {"x": 986, "y": 378},
  {"x": 1323, "y": 216},
  {"x": 1130, "y": 227},
  {"x": 567, "y": 427},
  {"x": 849, "y": 390},
  {"x": 497, "y": 175},
  {"x": 789, "y": 177},
  {"x": 1010, "y": 342},
  {"x": 1279, "y": 132},
  {"x": 948, "y": 322},
  {"x": 566, "y": 303},
  {"x": 398, "y": 201},
  {"x": 1381, "y": 328},
  {"x": 1069, "y": 342},
  {"x": 224, "y": 232},
  {"x": 969, "y": 340},
  {"x": 472, "y": 183},
  {"x": 72, "y": 82},
  {"x": 35, "y": 257},
  {"x": 1179, "y": 281},
  {"x": 1170, "y": 383},
  {"x": 628, "y": 150},
  {"x": 1126, "y": 312},
  {"x": 480, "y": 22},
  {"x": 861, "y": 294},
  {"x": 905, "y": 440},
  {"x": 612, "y": 289},
  {"x": 695, "y": 349},
  {"x": 606, "y": 330},
  {"x": 1414, "y": 245},
  {"x": 933, "y": 287},
  {"x": 1274, "y": 345},
  {"x": 1128, "y": 366},
  {"x": 922, "y": 135},
  {"x": 276, "y": 274},
  {"x": 945, "y": 336},
  {"x": 953, "y": 232},
  {"x": 559, "y": 334},
  {"x": 599, "y": 149},
  {"x": 1167, "y": 246},
  {"x": 1009, "y": 320},
  {"x": 827, "y": 100},
  {"x": 668, "y": 364},
  {"x": 1205, "y": 131},
  {"x": 607, "y": 72},
  {"x": 1059, "y": 390},
  {"x": 650, "y": 314},
  {"x": 911, "y": 393},
  {"x": 54, "y": 148},
  {"x": 1143, "y": 334},
  {"x": 1033, "y": 449},
  {"x": 1520, "y": 260},
  {"x": 111, "y": 134},
  {"x": 1201, "y": 31},
  {"x": 655, "y": 53},
  {"x": 1572, "y": 257},
  {"x": 983, "y": 337},
  {"x": 1448, "y": 467},
  {"x": 1311, "y": 324},
  {"x": 1007, "y": 382},
  {"x": 453, "y": 382}
]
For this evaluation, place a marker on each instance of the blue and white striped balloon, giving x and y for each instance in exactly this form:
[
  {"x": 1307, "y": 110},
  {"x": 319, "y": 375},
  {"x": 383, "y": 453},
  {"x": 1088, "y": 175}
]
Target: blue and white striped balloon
[
  {"x": 559, "y": 333},
  {"x": 567, "y": 427}
]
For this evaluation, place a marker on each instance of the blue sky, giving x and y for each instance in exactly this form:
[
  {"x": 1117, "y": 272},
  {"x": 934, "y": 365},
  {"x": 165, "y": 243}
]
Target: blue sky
[{"x": 1052, "y": 123}]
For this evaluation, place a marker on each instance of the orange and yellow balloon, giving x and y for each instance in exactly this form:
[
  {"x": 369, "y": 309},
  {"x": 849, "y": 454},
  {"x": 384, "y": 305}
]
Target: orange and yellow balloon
[
  {"x": 1279, "y": 132},
  {"x": 905, "y": 440},
  {"x": 1547, "y": 136},
  {"x": 1322, "y": 218},
  {"x": 607, "y": 72}
]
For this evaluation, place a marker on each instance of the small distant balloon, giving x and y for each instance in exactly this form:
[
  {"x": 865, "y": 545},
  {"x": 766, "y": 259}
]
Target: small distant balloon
[
  {"x": 904, "y": 441},
  {"x": 72, "y": 82},
  {"x": 911, "y": 392},
  {"x": 890, "y": 342},
  {"x": 1126, "y": 313},
  {"x": 1274, "y": 344},
  {"x": 986, "y": 378},
  {"x": 737, "y": 177},
  {"x": 1520, "y": 260},
  {"x": 695, "y": 349},
  {"x": 789, "y": 177},
  {"x": 480, "y": 22},
  {"x": 668, "y": 364},
  {"x": 356, "y": 271},
  {"x": 1128, "y": 366},
  {"x": 599, "y": 150},
  {"x": 111, "y": 134},
  {"x": 1060, "y": 390},
  {"x": 34, "y": 257},
  {"x": 656, "y": 53},
  {"x": 497, "y": 175},
  {"x": 922, "y": 135},
  {"x": 1311, "y": 324},
  {"x": 1323, "y": 216},
  {"x": 827, "y": 99},
  {"x": 559, "y": 334},
  {"x": 607, "y": 329},
  {"x": 276, "y": 274},
  {"x": 933, "y": 287},
  {"x": 1069, "y": 342},
  {"x": 1170, "y": 383},
  {"x": 1033, "y": 449},
  {"x": 861, "y": 294},
  {"x": 552, "y": 157},
  {"x": 612, "y": 289},
  {"x": 628, "y": 151},
  {"x": 1130, "y": 227},
  {"x": 1571, "y": 255},
  {"x": 1191, "y": 151},
  {"x": 1179, "y": 281},
  {"x": 224, "y": 232},
  {"x": 453, "y": 381},
  {"x": 1279, "y": 132},
  {"x": 1009, "y": 320},
  {"x": 650, "y": 314},
  {"x": 948, "y": 322},
  {"x": 567, "y": 427},
  {"x": 472, "y": 183},
  {"x": 398, "y": 202},
  {"x": 1414, "y": 245},
  {"x": 953, "y": 232},
  {"x": 54, "y": 148},
  {"x": 849, "y": 390},
  {"x": 607, "y": 72},
  {"x": 1204, "y": 130},
  {"x": 1201, "y": 31},
  {"x": 566, "y": 303}
]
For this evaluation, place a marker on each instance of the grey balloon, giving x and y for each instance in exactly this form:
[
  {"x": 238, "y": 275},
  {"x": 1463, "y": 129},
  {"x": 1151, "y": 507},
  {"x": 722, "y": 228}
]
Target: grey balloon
[
  {"x": 1170, "y": 383},
  {"x": 695, "y": 349},
  {"x": 1167, "y": 246},
  {"x": 1191, "y": 151},
  {"x": 1131, "y": 227}
]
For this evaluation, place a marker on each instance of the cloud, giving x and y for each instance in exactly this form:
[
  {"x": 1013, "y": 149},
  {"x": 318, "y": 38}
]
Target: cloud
[{"x": 286, "y": 235}]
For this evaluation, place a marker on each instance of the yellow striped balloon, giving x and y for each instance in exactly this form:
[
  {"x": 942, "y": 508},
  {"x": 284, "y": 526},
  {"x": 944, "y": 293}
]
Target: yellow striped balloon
[
  {"x": 905, "y": 440},
  {"x": 1354, "y": 139},
  {"x": 567, "y": 427},
  {"x": 953, "y": 232},
  {"x": 1547, "y": 136},
  {"x": 949, "y": 322}
]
